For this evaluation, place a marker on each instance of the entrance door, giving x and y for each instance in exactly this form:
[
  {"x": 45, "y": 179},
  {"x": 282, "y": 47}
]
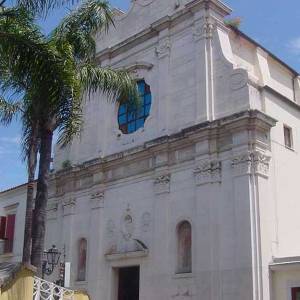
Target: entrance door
[
  {"x": 296, "y": 293},
  {"x": 129, "y": 283}
]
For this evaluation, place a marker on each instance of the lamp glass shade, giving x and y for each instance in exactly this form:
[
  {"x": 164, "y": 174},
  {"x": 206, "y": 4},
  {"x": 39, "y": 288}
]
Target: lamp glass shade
[{"x": 53, "y": 256}]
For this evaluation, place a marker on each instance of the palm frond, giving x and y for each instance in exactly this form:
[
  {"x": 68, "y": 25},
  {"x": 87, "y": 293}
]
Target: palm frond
[
  {"x": 42, "y": 7},
  {"x": 30, "y": 135},
  {"x": 78, "y": 27},
  {"x": 115, "y": 84},
  {"x": 9, "y": 110}
]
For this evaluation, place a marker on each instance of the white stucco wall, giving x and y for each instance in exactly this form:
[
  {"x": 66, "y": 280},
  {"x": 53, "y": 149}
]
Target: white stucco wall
[{"x": 230, "y": 175}]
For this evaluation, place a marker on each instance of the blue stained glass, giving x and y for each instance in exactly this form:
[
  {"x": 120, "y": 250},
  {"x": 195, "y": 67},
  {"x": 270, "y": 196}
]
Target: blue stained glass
[
  {"x": 122, "y": 119},
  {"x": 147, "y": 110},
  {"x": 141, "y": 87},
  {"x": 140, "y": 112},
  {"x": 148, "y": 99},
  {"x": 131, "y": 127},
  {"x": 122, "y": 109},
  {"x": 140, "y": 123},
  {"x": 130, "y": 117}
]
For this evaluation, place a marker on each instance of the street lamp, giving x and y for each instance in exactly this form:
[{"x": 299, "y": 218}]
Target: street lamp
[{"x": 50, "y": 260}]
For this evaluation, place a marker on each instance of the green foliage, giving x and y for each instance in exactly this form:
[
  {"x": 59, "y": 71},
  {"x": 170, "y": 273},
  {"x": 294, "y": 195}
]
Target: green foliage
[
  {"x": 52, "y": 75},
  {"x": 9, "y": 110},
  {"x": 55, "y": 73},
  {"x": 66, "y": 164},
  {"x": 234, "y": 22}
]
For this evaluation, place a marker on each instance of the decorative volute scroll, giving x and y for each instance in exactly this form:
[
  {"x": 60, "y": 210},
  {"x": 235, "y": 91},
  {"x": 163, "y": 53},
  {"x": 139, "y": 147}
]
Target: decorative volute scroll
[
  {"x": 251, "y": 162},
  {"x": 97, "y": 200},
  {"x": 208, "y": 171},
  {"x": 164, "y": 47},
  {"x": 162, "y": 184}
]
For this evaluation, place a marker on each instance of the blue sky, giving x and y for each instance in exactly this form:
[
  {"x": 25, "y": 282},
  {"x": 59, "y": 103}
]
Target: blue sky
[{"x": 273, "y": 23}]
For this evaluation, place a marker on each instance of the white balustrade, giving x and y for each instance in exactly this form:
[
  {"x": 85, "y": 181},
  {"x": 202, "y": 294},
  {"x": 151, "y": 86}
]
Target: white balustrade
[{"x": 45, "y": 290}]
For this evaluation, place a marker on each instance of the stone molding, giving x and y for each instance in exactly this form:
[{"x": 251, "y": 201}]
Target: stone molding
[
  {"x": 52, "y": 211},
  {"x": 69, "y": 206},
  {"x": 251, "y": 162},
  {"x": 106, "y": 170},
  {"x": 164, "y": 48},
  {"x": 208, "y": 171},
  {"x": 162, "y": 184},
  {"x": 97, "y": 200}
]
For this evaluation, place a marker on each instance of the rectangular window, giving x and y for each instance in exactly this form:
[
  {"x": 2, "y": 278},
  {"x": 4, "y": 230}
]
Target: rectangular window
[
  {"x": 296, "y": 293},
  {"x": 288, "y": 137},
  {"x": 7, "y": 232},
  {"x": 2, "y": 227}
]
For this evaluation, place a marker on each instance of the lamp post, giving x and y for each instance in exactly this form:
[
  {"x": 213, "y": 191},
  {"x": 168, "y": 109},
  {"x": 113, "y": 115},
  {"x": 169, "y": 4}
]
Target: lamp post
[{"x": 50, "y": 260}]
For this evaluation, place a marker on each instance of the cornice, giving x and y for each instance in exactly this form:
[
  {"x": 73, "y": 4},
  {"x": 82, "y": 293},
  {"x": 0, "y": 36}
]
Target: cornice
[{"x": 142, "y": 159}]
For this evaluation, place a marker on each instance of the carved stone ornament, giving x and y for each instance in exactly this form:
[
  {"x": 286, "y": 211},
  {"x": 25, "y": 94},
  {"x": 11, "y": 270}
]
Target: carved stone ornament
[
  {"x": 97, "y": 200},
  {"x": 208, "y": 172},
  {"x": 251, "y": 162},
  {"x": 127, "y": 227},
  {"x": 162, "y": 184},
  {"x": 146, "y": 222},
  {"x": 127, "y": 224},
  {"x": 69, "y": 205},
  {"x": 164, "y": 47},
  {"x": 261, "y": 163},
  {"x": 183, "y": 292},
  {"x": 203, "y": 31},
  {"x": 238, "y": 80}
]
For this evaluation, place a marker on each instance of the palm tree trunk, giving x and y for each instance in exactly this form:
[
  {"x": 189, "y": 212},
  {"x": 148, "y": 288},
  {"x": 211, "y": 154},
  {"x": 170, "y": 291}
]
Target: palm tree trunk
[
  {"x": 39, "y": 216},
  {"x": 32, "y": 159}
]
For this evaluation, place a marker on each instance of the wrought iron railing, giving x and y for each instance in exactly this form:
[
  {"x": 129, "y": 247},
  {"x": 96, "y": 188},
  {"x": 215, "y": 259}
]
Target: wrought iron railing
[{"x": 44, "y": 290}]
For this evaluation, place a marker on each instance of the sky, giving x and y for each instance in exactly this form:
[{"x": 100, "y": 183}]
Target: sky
[{"x": 272, "y": 23}]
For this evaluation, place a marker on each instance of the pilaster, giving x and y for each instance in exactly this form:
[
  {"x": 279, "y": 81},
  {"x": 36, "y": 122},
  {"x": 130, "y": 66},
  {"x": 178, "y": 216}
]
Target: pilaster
[
  {"x": 96, "y": 240},
  {"x": 208, "y": 179},
  {"x": 68, "y": 210},
  {"x": 163, "y": 52},
  {"x": 250, "y": 174}
]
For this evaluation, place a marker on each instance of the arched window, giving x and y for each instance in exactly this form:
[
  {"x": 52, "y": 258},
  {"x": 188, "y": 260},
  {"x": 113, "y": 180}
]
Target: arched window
[
  {"x": 184, "y": 247},
  {"x": 82, "y": 255},
  {"x": 132, "y": 118}
]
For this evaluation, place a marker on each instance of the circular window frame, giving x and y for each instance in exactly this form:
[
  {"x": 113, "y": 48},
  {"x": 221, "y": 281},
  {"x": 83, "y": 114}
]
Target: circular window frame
[{"x": 130, "y": 120}]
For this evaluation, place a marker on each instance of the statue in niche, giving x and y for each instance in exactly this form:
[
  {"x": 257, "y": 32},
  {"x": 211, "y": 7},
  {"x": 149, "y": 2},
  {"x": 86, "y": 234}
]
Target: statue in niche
[{"x": 127, "y": 227}]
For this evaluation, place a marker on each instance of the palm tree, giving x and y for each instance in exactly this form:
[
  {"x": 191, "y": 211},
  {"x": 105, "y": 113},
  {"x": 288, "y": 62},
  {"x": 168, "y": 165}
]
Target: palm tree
[
  {"x": 56, "y": 101},
  {"x": 24, "y": 56},
  {"x": 40, "y": 7}
]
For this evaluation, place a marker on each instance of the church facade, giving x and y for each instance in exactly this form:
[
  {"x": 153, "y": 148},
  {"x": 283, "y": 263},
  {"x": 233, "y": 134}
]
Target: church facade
[{"x": 194, "y": 195}]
